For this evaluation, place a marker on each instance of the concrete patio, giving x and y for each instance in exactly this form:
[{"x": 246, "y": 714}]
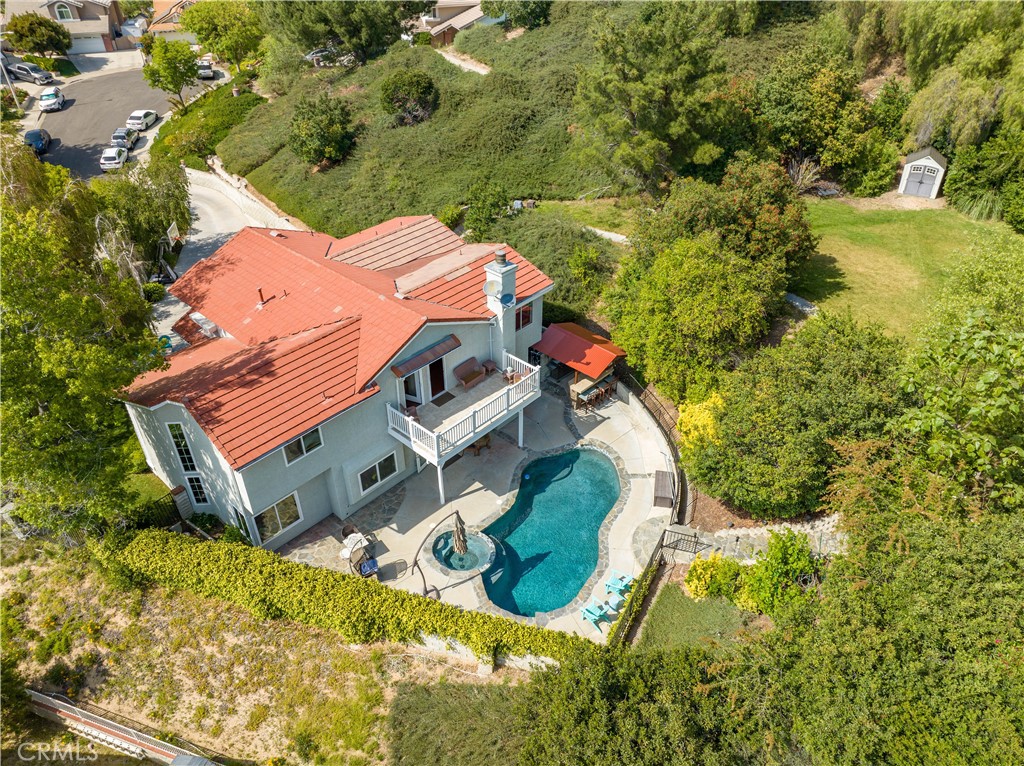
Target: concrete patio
[{"x": 482, "y": 486}]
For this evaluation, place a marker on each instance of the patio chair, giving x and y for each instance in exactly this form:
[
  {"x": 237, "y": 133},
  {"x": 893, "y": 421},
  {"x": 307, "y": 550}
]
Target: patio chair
[
  {"x": 595, "y": 613},
  {"x": 619, "y": 582}
]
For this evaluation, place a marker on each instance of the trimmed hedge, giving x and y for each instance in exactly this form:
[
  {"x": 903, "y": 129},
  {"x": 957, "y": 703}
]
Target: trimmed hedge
[{"x": 362, "y": 611}]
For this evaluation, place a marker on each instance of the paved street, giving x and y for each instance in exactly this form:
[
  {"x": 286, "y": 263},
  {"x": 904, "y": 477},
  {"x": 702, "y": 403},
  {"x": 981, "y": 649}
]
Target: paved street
[{"x": 95, "y": 108}]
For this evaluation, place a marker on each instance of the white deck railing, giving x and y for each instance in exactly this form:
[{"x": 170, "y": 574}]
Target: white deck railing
[{"x": 436, "y": 445}]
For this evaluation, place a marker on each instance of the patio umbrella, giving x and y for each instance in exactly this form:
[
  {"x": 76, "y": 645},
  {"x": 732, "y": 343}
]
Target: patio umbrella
[{"x": 459, "y": 535}]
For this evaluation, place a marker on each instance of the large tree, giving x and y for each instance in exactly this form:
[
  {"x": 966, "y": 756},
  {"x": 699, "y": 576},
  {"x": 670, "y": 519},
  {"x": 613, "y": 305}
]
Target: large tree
[
  {"x": 38, "y": 34},
  {"x": 641, "y": 109},
  {"x": 232, "y": 30},
  {"x": 770, "y": 446},
  {"x": 695, "y": 311},
  {"x": 518, "y": 13},
  {"x": 172, "y": 67},
  {"x": 143, "y": 202},
  {"x": 74, "y": 330},
  {"x": 363, "y": 29}
]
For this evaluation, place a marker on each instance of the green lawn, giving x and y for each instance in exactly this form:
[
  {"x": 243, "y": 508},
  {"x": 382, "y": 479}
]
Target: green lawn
[
  {"x": 887, "y": 266},
  {"x": 148, "y": 485},
  {"x": 454, "y": 724},
  {"x": 607, "y": 214},
  {"x": 676, "y": 620}
]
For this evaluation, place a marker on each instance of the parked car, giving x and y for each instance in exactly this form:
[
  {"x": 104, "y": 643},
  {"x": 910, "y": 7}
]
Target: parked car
[
  {"x": 206, "y": 71},
  {"x": 39, "y": 140},
  {"x": 113, "y": 158},
  {"x": 51, "y": 100},
  {"x": 141, "y": 119},
  {"x": 124, "y": 138},
  {"x": 30, "y": 72}
]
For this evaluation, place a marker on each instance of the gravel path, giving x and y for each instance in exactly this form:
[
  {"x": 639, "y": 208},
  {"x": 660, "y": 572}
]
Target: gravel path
[{"x": 464, "y": 62}]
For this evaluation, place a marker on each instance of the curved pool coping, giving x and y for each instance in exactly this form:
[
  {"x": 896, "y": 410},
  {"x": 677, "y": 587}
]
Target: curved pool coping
[{"x": 625, "y": 486}]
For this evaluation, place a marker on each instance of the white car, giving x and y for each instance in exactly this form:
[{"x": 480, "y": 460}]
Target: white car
[
  {"x": 113, "y": 158},
  {"x": 51, "y": 100},
  {"x": 141, "y": 119}
]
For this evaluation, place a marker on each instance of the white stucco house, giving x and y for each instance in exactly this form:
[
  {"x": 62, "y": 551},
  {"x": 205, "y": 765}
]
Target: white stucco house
[{"x": 316, "y": 373}]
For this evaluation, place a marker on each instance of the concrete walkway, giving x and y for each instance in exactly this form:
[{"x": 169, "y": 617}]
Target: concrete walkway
[
  {"x": 464, "y": 62},
  {"x": 612, "y": 236},
  {"x": 484, "y": 486}
]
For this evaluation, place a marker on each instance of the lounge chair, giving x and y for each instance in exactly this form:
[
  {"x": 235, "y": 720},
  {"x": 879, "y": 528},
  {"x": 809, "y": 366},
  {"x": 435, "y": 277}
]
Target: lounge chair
[
  {"x": 619, "y": 582},
  {"x": 594, "y": 613}
]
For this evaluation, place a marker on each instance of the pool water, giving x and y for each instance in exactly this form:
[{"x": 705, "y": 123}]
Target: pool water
[{"x": 547, "y": 542}]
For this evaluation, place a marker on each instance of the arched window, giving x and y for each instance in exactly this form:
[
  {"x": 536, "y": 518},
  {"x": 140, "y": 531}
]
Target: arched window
[{"x": 64, "y": 13}]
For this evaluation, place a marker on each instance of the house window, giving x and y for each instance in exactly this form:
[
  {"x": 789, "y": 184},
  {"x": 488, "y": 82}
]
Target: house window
[
  {"x": 64, "y": 13},
  {"x": 378, "y": 472},
  {"x": 198, "y": 492},
  {"x": 181, "y": 445},
  {"x": 240, "y": 523},
  {"x": 524, "y": 316},
  {"x": 293, "y": 450},
  {"x": 278, "y": 517}
]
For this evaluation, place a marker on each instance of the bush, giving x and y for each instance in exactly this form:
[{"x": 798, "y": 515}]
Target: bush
[
  {"x": 487, "y": 203},
  {"x": 49, "y": 64},
  {"x": 1012, "y": 197},
  {"x": 361, "y": 611},
  {"x": 713, "y": 576},
  {"x": 281, "y": 65},
  {"x": 154, "y": 292},
  {"x": 775, "y": 580},
  {"x": 321, "y": 129},
  {"x": 450, "y": 215},
  {"x": 410, "y": 95},
  {"x": 422, "y": 38}
]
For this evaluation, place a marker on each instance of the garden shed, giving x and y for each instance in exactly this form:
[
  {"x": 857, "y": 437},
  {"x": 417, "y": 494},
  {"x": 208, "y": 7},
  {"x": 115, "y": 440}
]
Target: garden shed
[{"x": 923, "y": 173}]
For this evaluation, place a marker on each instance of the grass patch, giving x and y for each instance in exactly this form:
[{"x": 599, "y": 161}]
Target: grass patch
[
  {"x": 454, "y": 724},
  {"x": 60, "y": 66},
  {"x": 512, "y": 126},
  {"x": 192, "y": 135},
  {"x": 676, "y": 620},
  {"x": 148, "y": 485},
  {"x": 607, "y": 214},
  {"x": 886, "y": 266}
]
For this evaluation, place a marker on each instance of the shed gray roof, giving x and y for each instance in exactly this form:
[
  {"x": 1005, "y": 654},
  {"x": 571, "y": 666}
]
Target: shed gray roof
[{"x": 930, "y": 153}]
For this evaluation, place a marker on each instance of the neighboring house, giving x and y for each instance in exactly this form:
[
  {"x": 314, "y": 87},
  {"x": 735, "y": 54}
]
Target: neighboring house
[
  {"x": 321, "y": 371},
  {"x": 167, "y": 20},
  {"x": 95, "y": 25},
  {"x": 448, "y": 17},
  {"x": 923, "y": 173}
]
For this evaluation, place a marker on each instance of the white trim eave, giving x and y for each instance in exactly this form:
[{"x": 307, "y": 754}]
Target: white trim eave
[{"x": 535, "y": 296}]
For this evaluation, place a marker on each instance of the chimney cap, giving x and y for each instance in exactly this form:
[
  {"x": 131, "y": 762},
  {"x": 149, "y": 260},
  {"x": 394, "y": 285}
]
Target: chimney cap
[{"x": 500, "y": 256}]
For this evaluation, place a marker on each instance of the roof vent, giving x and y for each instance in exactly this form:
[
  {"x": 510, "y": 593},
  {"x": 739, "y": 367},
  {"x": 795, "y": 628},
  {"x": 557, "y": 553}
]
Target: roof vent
[
  {"x": 276, "y": 233},
  {"x": 499, "y": 257}
]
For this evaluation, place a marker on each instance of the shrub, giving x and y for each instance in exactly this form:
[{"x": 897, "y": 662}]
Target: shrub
[
  {"x": 321, "y": 129},
  {"x": 422, "y": 38},
  {"x": 775, "y": 580},
  {"x": 49, "y": 64},
  {"x": 488, "y": 202},
  {"x": 154, "y": 291},
  {"x": 410, "y": 95},
  {"x": 449, "y": 215},
  {"x": 362, "y": 611},
  {"x": 68, "y": 679},
  {"x": 1012, "y": 197},
  {"x": 713, "y": 576}
]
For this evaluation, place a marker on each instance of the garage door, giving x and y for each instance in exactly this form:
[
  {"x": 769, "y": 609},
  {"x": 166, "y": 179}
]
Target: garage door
[{"x": 87, "y": 44}]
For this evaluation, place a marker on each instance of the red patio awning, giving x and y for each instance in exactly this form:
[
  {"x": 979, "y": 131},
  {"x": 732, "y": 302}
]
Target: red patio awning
[{"x": 579, "y": 349}]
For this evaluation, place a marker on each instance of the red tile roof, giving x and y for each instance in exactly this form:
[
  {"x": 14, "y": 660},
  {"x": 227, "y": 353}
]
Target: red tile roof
[{"x": 313, "y": 315}]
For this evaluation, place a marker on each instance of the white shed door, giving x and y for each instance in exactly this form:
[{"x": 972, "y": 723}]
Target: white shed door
[
  {"x": 88, "y": 44},
  {"x": 921, "y": 180}
]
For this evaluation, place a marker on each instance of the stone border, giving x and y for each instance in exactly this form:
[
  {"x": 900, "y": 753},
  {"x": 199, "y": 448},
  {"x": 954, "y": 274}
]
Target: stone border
[
  {"x": 437, "y": 566},
  {"x": 625, "y": 488}
]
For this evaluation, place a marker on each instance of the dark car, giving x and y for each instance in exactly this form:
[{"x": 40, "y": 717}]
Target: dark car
[
  {"x": 39, "y": 140},
  {"x": 124, "y": 138}
]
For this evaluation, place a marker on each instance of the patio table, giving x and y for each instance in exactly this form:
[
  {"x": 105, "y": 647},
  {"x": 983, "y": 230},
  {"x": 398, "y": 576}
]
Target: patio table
[{"x": 354, "y": 542}]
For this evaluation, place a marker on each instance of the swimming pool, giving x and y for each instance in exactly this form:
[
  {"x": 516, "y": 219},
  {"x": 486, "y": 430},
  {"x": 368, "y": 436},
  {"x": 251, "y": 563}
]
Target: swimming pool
[{"x": 547, "y": 542}]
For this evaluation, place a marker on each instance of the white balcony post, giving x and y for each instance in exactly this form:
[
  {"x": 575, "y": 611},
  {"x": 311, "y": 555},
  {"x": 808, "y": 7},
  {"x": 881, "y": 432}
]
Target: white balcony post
[
  {"x": 521, "y": 428},
  {"x": 440, "y": 481}
]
